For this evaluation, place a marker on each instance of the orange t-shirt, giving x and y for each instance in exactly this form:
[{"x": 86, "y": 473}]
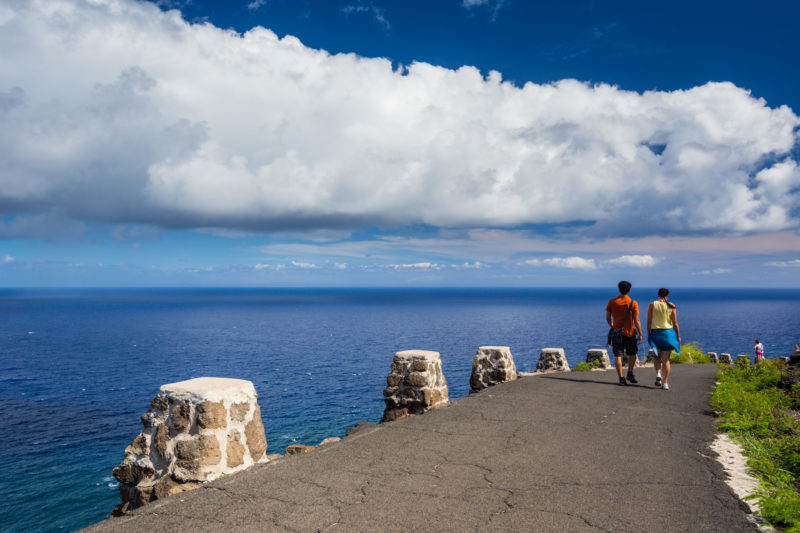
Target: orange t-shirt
[{"x": 619, "y": 309}]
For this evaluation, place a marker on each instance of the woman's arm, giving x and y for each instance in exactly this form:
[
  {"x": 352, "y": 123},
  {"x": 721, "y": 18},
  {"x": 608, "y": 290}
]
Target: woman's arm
[{"x": 649, "y": 318}]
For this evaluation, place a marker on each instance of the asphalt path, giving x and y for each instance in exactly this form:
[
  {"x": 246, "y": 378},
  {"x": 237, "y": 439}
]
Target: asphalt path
[{"x": 559, "y": 452}]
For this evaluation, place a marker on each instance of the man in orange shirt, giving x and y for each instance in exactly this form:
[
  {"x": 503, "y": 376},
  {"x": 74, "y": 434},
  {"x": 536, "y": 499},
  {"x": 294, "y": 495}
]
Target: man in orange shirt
[{"x": 625, "y": 315}]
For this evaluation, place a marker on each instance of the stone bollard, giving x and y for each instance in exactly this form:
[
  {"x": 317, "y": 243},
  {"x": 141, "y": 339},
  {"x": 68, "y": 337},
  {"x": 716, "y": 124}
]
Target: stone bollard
[
  {"x": 415, "y": 385},
  {"x": 713, "y": 357},
  {"x": 490, "y": 366},
  {"x": 195, "y": 431},
  {"x": 552, "y": 359},
  {"x": 725, "y": 359},
  {"x": 743, "y": 359},
  {"x": 784, "y": 359},
  {"x": 637, "y": 364},
  {"x": 599, "y": 355}
]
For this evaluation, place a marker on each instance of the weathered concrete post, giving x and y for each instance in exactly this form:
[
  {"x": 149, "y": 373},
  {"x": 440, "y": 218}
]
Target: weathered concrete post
[
  {"x": 552, "y": 359},
  {"x": 601, "y": 356},
  {"x": 743, "y": 359},
  {"x": 195, "y": 431},
  {"x": 725, "y": 359},
  {"x": 415, "y": 384},
  {"x": 490, "y": 366},
  {"x": 713, "y": 357},
  {"x": 625, "y": 361}
]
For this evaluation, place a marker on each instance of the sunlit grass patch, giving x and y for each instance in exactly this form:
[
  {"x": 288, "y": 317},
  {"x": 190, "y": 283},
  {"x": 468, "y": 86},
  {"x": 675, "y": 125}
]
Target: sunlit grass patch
[
  {"x": 691, "y": 353},
  {"x": 759, "y": 416},
  {"x": 587, "y": 367}
]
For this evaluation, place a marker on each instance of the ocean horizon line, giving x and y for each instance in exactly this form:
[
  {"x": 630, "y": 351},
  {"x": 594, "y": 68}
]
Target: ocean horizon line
[{"x": 379, "y": 287}]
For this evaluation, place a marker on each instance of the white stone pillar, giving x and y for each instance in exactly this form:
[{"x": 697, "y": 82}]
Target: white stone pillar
[
  {"x": 713, "y": 357},
  {"x": 195, "y": 431},
  {"x": 638, "y": 363},
  {"x": 490, "y": 366},
  {"x": 725, "y": 359},
  {"x": 552, "y": 359},
  {"x": 415, "y": 384},
  {"x": 601, "y": 356}
]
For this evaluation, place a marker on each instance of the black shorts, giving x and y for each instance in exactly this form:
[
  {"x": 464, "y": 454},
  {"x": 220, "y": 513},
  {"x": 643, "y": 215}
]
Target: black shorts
[{"x": 629, "y": 346}]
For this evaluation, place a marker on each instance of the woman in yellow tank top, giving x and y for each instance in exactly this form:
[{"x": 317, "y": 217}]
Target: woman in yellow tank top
[{"x": 663, "y": 334}]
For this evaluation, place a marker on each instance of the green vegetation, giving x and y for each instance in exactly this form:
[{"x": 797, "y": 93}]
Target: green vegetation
[
  {"x": 587, "y": 367},
  {"x": 763, "y": 419},
  {"x": 691, "y": 353}
]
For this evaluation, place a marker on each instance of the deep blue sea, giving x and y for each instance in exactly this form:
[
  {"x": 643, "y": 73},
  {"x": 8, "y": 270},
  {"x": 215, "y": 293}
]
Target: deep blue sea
[{"x": 78, "y": 367}]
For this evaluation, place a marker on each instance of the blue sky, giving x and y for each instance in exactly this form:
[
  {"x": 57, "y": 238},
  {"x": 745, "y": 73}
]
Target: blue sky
[{"x": 413, "y": 143}]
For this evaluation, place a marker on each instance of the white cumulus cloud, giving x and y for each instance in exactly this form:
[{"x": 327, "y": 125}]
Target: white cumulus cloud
[
  {"x": 475, "y": 265},
  {"x": 425, "y": 265},
  {"x": 377, "y": 13},
  {"x": 301, "y": 264},
  {"x": 115, "y": 111},
  {"x": 785, "y": 264},
  {"x": 641, "y": 261},
  {"x": 720, "y": 270},
  {"x": 8, "y": 259},
  {"x": 575, "y": 262},
  {"x": 255, "y": 5}
]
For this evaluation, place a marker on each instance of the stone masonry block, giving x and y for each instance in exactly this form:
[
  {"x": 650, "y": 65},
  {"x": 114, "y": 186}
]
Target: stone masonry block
[
  {"x": 552, "y": 359},
  {"x": 599, "y": 355},
  {"x": 490, "y": 366},
  {"x": 195, "y": 431},
  {"x": 415, "y": 384}
]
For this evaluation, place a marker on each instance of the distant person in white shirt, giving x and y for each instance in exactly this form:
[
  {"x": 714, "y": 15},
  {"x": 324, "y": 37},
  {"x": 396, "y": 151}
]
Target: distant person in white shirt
[{"x": 759, "y": 348}]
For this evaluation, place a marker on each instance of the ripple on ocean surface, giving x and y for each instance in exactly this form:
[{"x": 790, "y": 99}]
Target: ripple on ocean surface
[{"x": 72, "y": 392}]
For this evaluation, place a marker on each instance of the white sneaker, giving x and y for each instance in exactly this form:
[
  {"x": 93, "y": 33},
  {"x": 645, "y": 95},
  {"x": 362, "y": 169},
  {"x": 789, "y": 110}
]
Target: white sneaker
[{"x": 665, "y": 386}]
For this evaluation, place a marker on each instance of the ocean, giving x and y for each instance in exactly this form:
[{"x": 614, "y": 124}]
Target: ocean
[{"x": 78, "y": 367}]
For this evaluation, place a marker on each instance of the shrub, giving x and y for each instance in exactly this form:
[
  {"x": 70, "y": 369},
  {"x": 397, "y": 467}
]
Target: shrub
[
  {"x": 782, "y": 506},
  {"x": 587, "y": 367},
  {"x": 756, "y": 413},
  {"x": 691, "y": 353}
]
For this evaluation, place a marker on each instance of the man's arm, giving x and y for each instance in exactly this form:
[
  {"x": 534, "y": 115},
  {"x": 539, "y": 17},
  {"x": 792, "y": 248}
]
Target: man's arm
[
  {"x": 608, "y": 319},
  {"x": 637, "y": 324}
]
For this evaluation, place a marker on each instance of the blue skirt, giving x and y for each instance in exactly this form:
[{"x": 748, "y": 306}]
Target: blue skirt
[{"x": 664, "y": 339}]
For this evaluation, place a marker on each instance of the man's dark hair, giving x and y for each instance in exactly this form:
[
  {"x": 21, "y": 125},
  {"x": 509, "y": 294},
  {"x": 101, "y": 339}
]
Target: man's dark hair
[{"x": 624, "y": 287}]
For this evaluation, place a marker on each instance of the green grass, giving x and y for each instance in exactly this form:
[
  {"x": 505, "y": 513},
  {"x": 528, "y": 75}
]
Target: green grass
[
  {"x": 756, "y": 414},
  {"x": 587, "y": 367},
  {"x": 691, "y": 353}
]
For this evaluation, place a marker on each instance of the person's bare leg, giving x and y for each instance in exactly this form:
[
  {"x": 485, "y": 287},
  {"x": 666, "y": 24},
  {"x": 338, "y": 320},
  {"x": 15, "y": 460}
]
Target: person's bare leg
[
  {"x": 632, "y": 359},
  {"x": 657, "y": 366},
  {"x": 664, "y": 355},
  {"x": 618, "y": 364}
]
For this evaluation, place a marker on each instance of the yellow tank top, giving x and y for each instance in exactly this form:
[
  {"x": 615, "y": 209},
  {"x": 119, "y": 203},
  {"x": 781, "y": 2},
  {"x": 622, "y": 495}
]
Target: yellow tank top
[{"x": 661, "y": 317}]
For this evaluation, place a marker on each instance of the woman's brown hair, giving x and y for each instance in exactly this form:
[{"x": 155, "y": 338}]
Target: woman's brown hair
[{"x": 663, "y": 292}]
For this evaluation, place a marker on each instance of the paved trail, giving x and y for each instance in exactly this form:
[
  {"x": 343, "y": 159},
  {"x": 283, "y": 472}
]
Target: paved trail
[{"x": 562, "y": 452}]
